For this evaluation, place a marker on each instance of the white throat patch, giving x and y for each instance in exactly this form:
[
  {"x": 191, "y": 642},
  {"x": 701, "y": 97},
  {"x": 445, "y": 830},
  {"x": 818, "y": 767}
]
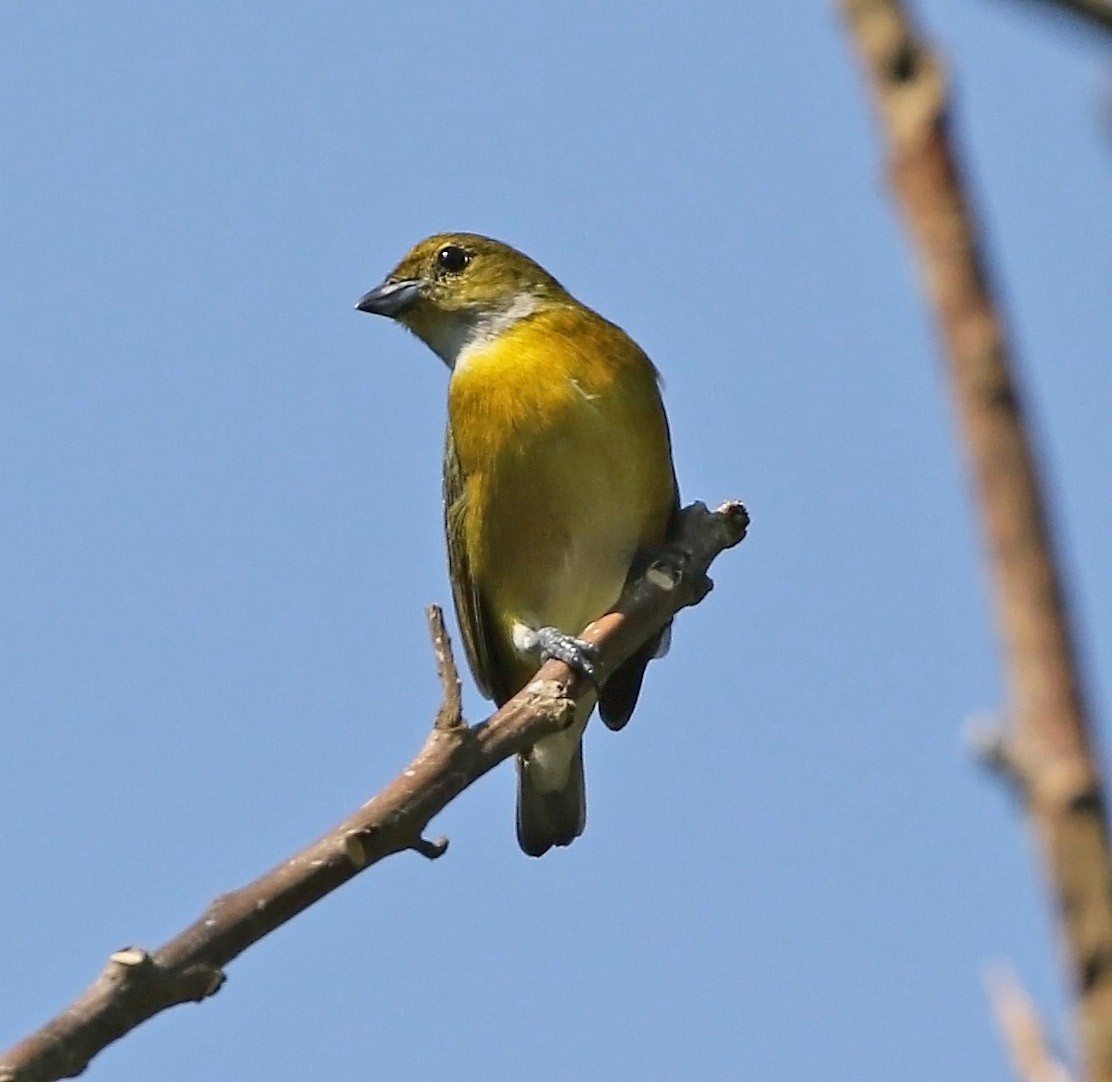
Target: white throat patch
[{"x": 471, "y": 332}]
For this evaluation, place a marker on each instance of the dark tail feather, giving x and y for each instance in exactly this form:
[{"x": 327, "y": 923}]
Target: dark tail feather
[
  {"x": 619, "y": 694},
  {"x": 545, "y": 819}
]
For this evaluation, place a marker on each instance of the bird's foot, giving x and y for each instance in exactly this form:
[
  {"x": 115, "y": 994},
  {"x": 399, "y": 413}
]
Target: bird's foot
[{"x": 553, "y": 644}]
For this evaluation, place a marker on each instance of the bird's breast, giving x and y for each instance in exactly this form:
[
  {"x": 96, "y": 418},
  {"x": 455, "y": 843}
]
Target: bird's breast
[{"x": 564, "y": 449}]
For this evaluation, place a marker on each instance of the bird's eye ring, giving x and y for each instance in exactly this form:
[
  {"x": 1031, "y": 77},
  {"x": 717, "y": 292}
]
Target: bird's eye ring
[{"x": 453, "y": 258}]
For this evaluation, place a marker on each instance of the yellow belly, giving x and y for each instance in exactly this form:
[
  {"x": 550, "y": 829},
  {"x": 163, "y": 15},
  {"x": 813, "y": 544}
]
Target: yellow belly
[{"x": 559, "y": 529}]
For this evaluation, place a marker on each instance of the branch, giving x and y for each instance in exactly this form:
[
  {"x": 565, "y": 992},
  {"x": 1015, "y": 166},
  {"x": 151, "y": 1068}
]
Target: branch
[
  {"x": 137, "y": 985},
  {"x": 1049, "y": 748},
  {"x": 1096, "y": 13},
  {"x": 1032, "y": 1058}
]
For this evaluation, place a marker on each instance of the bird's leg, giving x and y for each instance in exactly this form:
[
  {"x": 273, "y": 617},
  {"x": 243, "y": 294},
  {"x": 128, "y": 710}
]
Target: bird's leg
[{"x": 553, "y": 644}]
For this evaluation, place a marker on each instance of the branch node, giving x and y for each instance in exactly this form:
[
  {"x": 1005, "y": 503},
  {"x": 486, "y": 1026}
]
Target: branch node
[
  {"x": 131, "y": 957},
  {"x": 201, "y": 981},
  {"x": 903, "y": 63},
  {"x": 433, "y": 850},
  {"x": 673, "y": 570},
  {"x": 664, "y": 575},
  {"x": 449, "y": 718},
  {"x": 552, "y": 695},
  {"x": 997, "y": 751},
  {"x": 735, "y": 520},
  {"x": 355, "y": 848}
]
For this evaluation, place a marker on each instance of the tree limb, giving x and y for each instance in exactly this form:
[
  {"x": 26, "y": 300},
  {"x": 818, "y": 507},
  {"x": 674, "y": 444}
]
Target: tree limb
[
  {"x": 1095, "y": 13},
  {"x": 1049, "y": 747},
  {"x": 1033, "y": 1059},
  {"x": 137, "y": 985}
]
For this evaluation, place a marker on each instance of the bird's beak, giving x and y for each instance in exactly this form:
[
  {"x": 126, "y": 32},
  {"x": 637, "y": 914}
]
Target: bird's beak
[{"x": 391, "y": 298}]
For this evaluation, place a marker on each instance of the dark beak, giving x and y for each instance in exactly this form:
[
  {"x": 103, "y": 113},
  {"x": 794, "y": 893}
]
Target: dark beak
[{"x": 390, "y": 298}]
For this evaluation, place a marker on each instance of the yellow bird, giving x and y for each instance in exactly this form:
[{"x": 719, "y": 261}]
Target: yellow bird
[{"x": 558, "y": 481}]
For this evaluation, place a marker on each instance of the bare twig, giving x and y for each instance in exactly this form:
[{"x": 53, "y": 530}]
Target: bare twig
[
  {"x": 1095, "y": 13},
  {"x": 1051, "y": 734},
  {"x": 990, "y": 743},
  {"x": 136, "y": 984},
  {"x": 1033, "y": 1060},
  {"x": 450, "y": 714}
]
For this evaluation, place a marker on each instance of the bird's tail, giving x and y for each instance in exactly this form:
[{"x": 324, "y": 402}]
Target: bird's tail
[{"x": 549, "y": 816}]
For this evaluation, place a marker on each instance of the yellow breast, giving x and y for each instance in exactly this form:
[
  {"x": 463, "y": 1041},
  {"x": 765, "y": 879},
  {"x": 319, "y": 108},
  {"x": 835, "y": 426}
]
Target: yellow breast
[{"x": 563, "y": 444}]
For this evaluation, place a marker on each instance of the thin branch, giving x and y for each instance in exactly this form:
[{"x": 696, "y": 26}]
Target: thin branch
[
  {"x": 1033, "y": 1060},
  {"x": 450, "y": 715},
  {"x": 1051, "y": 732},
  {"x": 1095, "y": 13},
  {"x": 137, "y": 984}
]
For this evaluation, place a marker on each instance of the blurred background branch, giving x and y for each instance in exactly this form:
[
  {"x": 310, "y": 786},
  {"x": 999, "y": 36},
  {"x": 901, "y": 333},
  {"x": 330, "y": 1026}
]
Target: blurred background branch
[
  {"x": 1022, "y": 1030},
  {"x": 1097, "y": 13},
  {"x": 1049, "y": 746}
]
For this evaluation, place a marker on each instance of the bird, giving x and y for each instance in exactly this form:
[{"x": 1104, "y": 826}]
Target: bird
[{"x": 558, "y": 486}]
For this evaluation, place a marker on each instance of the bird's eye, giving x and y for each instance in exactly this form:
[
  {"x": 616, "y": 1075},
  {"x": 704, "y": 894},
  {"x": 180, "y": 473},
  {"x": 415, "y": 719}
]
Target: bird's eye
[{"x": 453, "y": 259}]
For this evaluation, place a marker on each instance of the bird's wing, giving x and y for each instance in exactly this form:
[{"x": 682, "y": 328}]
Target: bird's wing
[
  {"x": 618, "y": 696},
  {"x": 469, "y": 605}
]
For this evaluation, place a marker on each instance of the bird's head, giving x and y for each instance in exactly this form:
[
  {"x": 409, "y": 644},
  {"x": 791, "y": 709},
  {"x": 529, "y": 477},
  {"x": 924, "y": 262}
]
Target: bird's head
[{"x": 457, "y": 290}]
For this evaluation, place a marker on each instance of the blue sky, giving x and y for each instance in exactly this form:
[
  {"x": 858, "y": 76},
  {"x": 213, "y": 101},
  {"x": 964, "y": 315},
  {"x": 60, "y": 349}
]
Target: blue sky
[{"x": 220, "y": 496}]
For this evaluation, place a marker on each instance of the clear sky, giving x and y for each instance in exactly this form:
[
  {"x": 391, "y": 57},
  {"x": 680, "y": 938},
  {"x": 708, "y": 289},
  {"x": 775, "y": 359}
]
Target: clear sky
[{"x": 220, "y": 495}]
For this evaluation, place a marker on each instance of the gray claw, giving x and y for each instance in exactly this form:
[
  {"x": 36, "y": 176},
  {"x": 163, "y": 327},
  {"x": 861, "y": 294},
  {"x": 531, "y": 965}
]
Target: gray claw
[{"x": 554, "y": 644}]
